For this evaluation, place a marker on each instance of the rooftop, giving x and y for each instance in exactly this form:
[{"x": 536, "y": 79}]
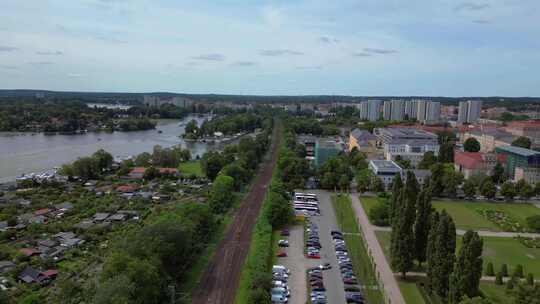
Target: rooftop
[
  {"x": 386, "y": 165},
  {"x": 408, "y": 132},
  {"x": 518, "y": 151}
]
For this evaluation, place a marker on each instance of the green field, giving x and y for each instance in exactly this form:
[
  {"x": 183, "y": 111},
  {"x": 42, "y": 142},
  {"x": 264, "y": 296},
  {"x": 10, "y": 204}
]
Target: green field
[
  {"x": 410, "y": 292},
  {"x": 357, "y": 252},
  {"x": 465, "y": 213},
  {"x": 496, "y": 250},
  {"x": 191, "y": 167}
]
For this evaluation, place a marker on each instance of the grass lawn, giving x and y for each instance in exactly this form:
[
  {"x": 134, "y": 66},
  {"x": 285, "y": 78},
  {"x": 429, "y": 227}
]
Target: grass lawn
[
  {"x": 466, "y": 217},
  {"x": 191, "y": 167},
  {"x": 368, "y": 202},
  {"x": 495, "y": 293},
  {"x": 496, "y": 250},
  {"x": 410, "y": 292},
  {"x": 357, "y": 252}
]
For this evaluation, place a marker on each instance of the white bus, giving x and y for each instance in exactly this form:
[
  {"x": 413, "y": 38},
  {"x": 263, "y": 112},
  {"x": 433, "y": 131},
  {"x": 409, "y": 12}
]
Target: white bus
[{"x": 305, "y": 198}]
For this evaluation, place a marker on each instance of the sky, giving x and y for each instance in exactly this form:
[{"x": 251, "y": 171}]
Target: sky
[{"x": 289, "y": 47}]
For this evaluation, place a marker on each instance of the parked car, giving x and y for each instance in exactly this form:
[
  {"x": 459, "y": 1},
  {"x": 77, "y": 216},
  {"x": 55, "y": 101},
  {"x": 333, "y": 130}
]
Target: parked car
[
  {"x": 285, "y": 232},
  {"x": 281, "y": 254},
  {"x": 283, "y": 243},
  {"x": 325, "y": 266}
]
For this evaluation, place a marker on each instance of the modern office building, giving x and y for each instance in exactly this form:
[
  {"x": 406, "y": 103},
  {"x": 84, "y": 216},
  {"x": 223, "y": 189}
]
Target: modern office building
[
  {"x": 409, "y": 144},
  {"x": 520, "y": 163},
  {"x": 469, "y": 111},
  {"x": 325, "y": 149},
  {"x": 385, "y": 170}
]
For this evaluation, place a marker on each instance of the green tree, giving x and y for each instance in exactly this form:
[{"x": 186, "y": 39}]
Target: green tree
[
  {"x": 103, "y": 159},
  {"x": 533, "y": 222},
  {"x": 525, "y": 191},
  {"x": 151, "y": 173},
  {"x": 221, "y": 195},
  {"x": 436, "y": 179},
  {"x": 518, "y": 271},
  {"x": 397, "y": 186},
  {"x": 504, "y": 270},
  {"x": 402, "y": 246},
  {"x": 530, "y": 279},
  {"x": 421, "y": 225},
  {"x": 428, "y": 160},
  {"x": 489, "y": 269},
  {"x": 143, "y": 159},
  {"x": 488, "y": 189},
  {"x": 537, "y": 188},
  {"x": 523, "y": 142},
  {"x": 471, "y": 145},
  {"x": 469, "y": 188},
  {"x": 510, "y": 284},
  {"x": 211, "y": 163},
  {"x": 377, "y": 184},
  {"x": 116, "y": 290},
  {"x": 508, "y": 190},
  {"x": 499, "y": 278},
  {"x": 465, "y": 278},
  {"x": 344, "y": 182},
  {"x": 363, "y": 180},
  {"x": 450, "y": 181},
  {"x": 498, "y": 173},
  {"x": 528, "y": 294},
  {"x": 442, "y": 245},
  {"x": 403, "y": 163}
]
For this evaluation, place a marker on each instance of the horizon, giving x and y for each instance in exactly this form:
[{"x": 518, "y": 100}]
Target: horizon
[{"x": 273, "y": 48}]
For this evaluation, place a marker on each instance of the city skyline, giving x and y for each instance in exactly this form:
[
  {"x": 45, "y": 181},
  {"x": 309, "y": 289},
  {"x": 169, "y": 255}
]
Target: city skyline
[{"x": 420, "y": 48}]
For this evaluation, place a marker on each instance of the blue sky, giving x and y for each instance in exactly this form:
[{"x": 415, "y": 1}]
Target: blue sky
[{"x": 362, "y": 47}]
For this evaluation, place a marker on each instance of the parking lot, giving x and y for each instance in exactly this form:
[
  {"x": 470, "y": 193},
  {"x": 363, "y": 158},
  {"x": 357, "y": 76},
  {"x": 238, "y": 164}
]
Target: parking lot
[{"x": 298, "y": 264}]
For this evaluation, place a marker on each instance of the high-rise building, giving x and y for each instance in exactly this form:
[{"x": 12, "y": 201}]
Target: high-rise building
[
  {"x": 363, "y": 109},
  {"x": 397, "y": 110},
  {"x": 387, "y": 110},
  {"x": 421, "y": 109},
  {"x": 433, "y": 112},
  {"x": 411, "y": 110},
  {"x": 374, "y": 110},
  {"x": 469, "y": 111}
]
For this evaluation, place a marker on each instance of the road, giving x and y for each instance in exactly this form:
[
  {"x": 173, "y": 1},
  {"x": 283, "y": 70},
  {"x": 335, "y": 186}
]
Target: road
[
  {"x": 220, "y": 281},
  {"x": 391, "y": 287},
  {"x": 485, "y": 233},
  {"x": 326, "y": 222},
  {"x": 483, "y": 278}
]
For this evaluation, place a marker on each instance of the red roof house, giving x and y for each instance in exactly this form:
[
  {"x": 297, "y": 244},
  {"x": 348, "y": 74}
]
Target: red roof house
[{"x": 471, "y": 163}]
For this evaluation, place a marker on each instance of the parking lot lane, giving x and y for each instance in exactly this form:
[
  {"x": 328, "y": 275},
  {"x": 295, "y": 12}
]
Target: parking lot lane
[
  {"x": 297, "y": 264},
  {"x": 326, "y": 222}
]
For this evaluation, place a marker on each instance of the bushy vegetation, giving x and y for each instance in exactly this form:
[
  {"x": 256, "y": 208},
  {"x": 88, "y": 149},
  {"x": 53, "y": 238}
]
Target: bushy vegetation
[{"x": 228, "y": 125}]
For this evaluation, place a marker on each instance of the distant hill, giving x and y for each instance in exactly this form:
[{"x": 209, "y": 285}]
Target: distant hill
[{"x": 138, "y": 97}]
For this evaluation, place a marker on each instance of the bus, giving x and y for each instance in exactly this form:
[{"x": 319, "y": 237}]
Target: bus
[{"x": 305, "y": 198}]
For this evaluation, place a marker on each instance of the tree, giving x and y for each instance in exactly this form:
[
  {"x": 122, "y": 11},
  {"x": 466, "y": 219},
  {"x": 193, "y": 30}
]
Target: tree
[
  {"x": 475, "y": 300},
  {"x": 344, "y": 182},
  {"x": 116, "y": 290},
  {"x": 436, "y": 179},
  {"x": 397, "y": 185},
  {"x": 530, "y": 279},
  {"x": 421, "y": 225},
  {"x": 499, "y": 278},
  {"x": 508, "y": 190},
  {"x": 525, "y": 191},
  {"x": 103, "y": 158},
  {"x": 211, "y": 163},
  {"x": 504, "y": 270},
  {"x": 528, "y": 294},
  {"x": 489, "y": 269},
  {"x": 150, "y": 173},
  {"x": 450, "y": 181},
  {"x": 488, "y": 189},
  {"x": 523, "y": 142},
  {"x": 221, "y": 195},
  {"x": 537, "y": 188},
  {"x": 510, "y": 284},
  {"x": 403, "y": 163},
  {"x": 363, "y": 180},
  {"x": 143, "y": 159},
  {"x": 377, "y": 184},
  {"x": 518, "y": 271},
  {"x": 442, "y": 248},
  {"x": 431, "y": 250},
  {"x": 428, "y": 160},
  {"x": 469, "y": 189},
  {"x": 446, "y": 152},
  {"x": 465, "y": 278},
  {"x": 402, "y": 246},
  {"x": 192, "y": 127},
  {"x": 471, "y": 145},
  {"x": 498, "y": 173}
]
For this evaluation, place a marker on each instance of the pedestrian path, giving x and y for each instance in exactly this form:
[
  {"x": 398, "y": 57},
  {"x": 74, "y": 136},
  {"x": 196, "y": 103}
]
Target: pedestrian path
[
  {"x": 480, "y": 233},
  {"x": 391, "y": 287}
]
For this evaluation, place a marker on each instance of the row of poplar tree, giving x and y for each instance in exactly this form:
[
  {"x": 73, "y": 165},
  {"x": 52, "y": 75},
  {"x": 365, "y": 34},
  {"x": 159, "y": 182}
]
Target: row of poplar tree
[{"x": 420, "y": 233}]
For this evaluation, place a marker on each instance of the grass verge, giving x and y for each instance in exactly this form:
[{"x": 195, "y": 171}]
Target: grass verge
[
  {"x": 191, "y": 168},
  {"x": 362, "y": 265}
]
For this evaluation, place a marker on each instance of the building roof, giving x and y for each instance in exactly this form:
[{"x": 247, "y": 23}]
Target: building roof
[
  {"x": 409, "y": 132},
  {"x": 523, "y": 124},
  {"x": 386, "y": 165},
  {"x": 168, "y": 170},
  {"x": 495, "y": 133},
  {"x": 42, "y": 211},
  {"x": 138, "y": 170},
  {"x": 126, "y": 188},
  {"x": 518, "y": 150},
  {"x": 362, "y": 135},
  {"x": 469, "y": 160}
]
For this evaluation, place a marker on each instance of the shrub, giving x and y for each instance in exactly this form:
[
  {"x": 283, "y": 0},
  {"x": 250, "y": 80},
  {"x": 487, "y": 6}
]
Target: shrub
[
  {"x": 518, "y": 271},
  {"x": 504, "y": 270},
  {"x": 489, "y": 269},
  {"x": 533, "y": 222},
  {"x": 530, "y": 279},
  {"x": 498, "y": 279},
  {"x": 380, "y": 214}
]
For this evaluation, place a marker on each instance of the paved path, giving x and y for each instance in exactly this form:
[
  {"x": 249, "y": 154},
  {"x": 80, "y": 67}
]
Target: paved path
[
  {"x": 391, "y": 287},
  {"x": 480, "y": 233},
  {"x": 483, "y": 278}
]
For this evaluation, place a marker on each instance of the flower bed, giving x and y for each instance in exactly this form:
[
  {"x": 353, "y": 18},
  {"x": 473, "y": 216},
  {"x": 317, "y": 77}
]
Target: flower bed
[
  {"x": 529, "y": 242},
  {"x": 503, "y": 220}
]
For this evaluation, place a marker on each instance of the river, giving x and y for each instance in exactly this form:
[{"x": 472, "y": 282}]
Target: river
[{"x": 24, "y": 153}]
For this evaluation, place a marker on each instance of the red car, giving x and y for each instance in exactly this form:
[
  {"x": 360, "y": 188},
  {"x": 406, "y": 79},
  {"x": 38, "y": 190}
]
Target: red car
[
  {"x": 313, "y": 256},
  {"x": 281, "y": 254}
]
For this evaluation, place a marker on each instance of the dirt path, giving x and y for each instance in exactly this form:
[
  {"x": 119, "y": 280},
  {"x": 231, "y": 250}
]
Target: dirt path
[
  {"x": 391, "y": 288},
  {"x": 221, "y": 278}
]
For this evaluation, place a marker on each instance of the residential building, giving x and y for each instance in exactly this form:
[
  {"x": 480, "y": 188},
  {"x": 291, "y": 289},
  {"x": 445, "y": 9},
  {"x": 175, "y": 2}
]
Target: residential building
[
  {"x": 421, "y": 107},
  {"x": 325, "y": 149},
  {"x": 433, "y": 113},
  {"x": 529, "y": 128},
  {"x": 407, "y": 143},
  {"x": 473, "y": 163},
  {"x": 387, "y": 110},
  {"x": 385, "y": 170},
  {"x": 411, "y": 109},
  {"x": 363, "y": 109},
  {"x": 398, "y": 110},
  {"x": 374, "y": 110},
  {"x": 489, "y": 138},
  {"x": 469, "y": 111},
  {"x": 520, "y": 163},
  {"x": 158, "y": 101},
  {"x": 362, "y": 140}
]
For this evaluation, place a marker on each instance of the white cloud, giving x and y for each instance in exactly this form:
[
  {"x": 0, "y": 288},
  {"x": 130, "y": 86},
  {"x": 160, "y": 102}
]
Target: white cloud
[{"x": 272, "y": 17}]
